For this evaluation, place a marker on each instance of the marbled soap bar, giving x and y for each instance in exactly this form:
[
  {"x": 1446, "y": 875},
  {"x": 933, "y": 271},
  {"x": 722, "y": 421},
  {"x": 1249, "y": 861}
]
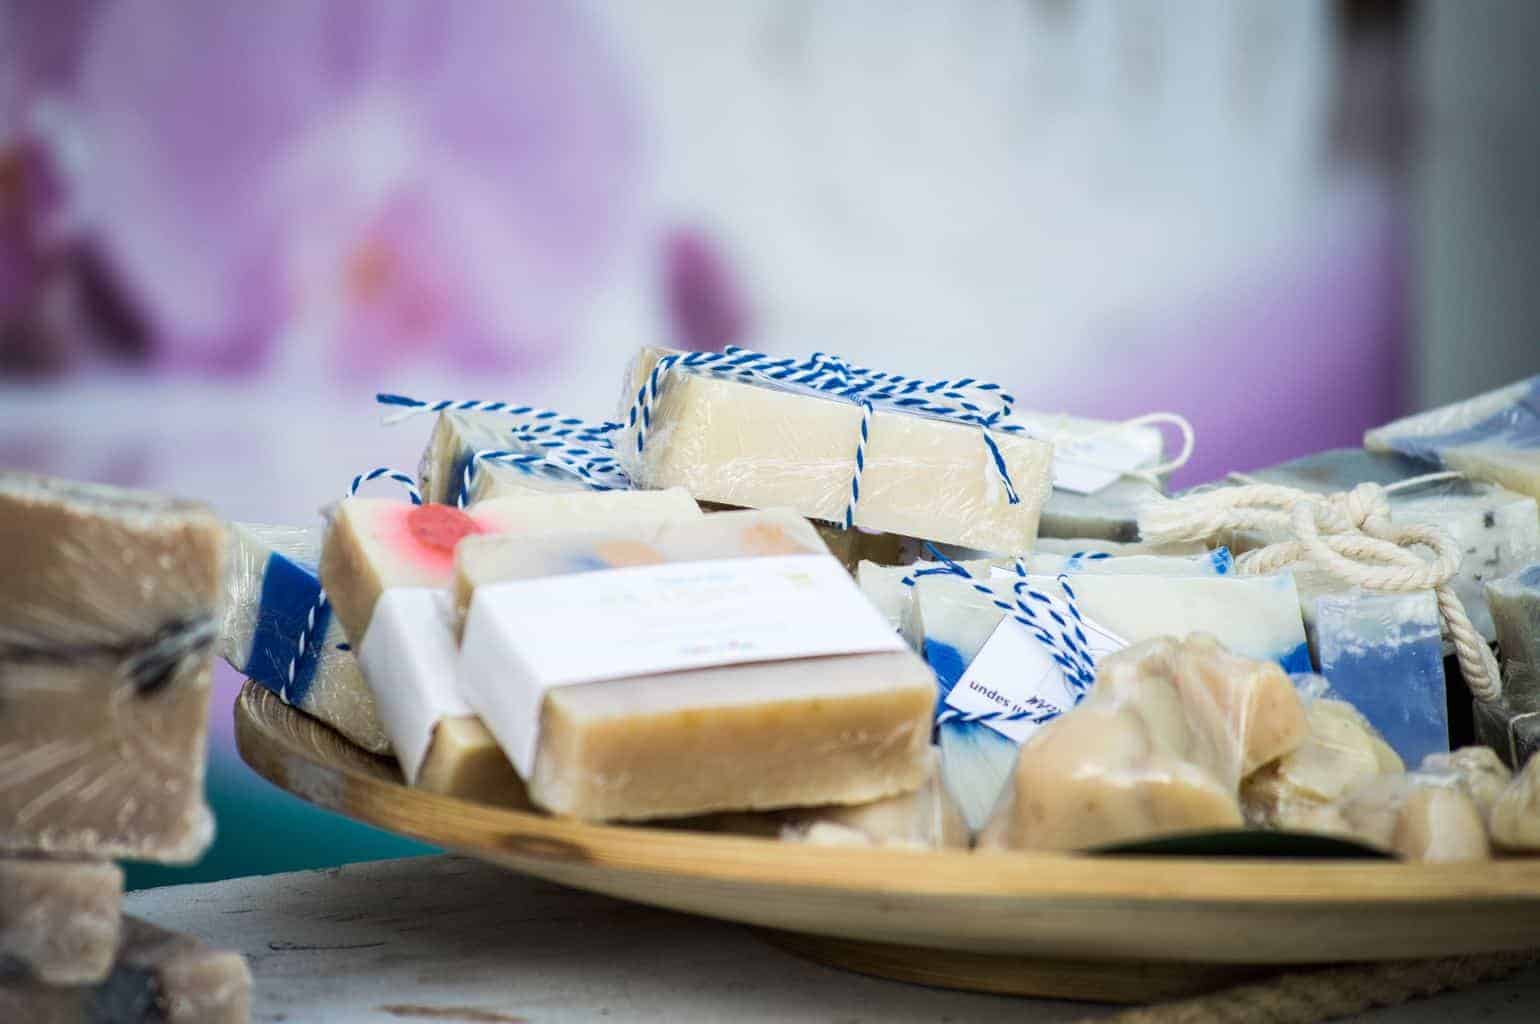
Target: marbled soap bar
[
  {"x": 666, "y": 711},
  {"x": 274, "y": 602},
  {"x": 1494, "y": 436},
  {"x": 1515, "y": 604},
  {"x": 1384, "y": 654},
  {"x": 1160, "y": 747},
  {"x": 109, "y": 610},
  {"x": 756, "y": 446},
  {"x": 159, "y": 978},
  {"x": 1497, "y": 530},
  {"x": 58, "y": 919}
]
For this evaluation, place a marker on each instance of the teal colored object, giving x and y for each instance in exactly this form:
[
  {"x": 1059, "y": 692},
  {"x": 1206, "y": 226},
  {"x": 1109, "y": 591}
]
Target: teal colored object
[{"x": 261, "y": 830}]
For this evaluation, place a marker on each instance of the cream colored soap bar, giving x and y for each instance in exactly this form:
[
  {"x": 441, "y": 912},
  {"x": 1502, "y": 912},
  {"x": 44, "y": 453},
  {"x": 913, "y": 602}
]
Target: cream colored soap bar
[
  {"x": 1342, "y": 751},
  {"x": 836, "y": 729},
  {"x": 1515, "y": 816},
  {"x": 109, "y": 610},
  {"x": 58, "y": 919},
  {"x": 1418, "y": 817},
  {"x": 757, "y": 446},
  {"x": 456, "y": 440},
  {"x": 1160, "y": 747},
  {"x": 396, "y": 560}
]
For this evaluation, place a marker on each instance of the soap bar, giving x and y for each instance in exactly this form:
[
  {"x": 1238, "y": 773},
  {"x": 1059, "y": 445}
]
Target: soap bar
[
  {"x": 1341, "y": 751},
  {"x": 274, "y": 601},
  {"x": 457, "y": 438},
  {"x": 1515, "y": 604},
  {"x": 1494, "y": 436},
  {"x": 108, "y": 614},
  {"x": 1478, "y": 771},
  {"x": 640, "y": 739},
  {"x": 1159, "y": 747},
  {"x": 1111, "y": 513},
  {"x": 1418, "y": 817},
  {"x": 1515, "y": 816},
  {"x": 159, "y": 978},
  {"x": 1497, "y": 530},
  {"x": 757, "y": 446},
  {"x": 58, "y": 919},
  {"x": 1383, "y": 653},
  {"x": 1096, "y": 545},
  {"x": 884, "y": 586},
  {"x": 395, "y": 561}
]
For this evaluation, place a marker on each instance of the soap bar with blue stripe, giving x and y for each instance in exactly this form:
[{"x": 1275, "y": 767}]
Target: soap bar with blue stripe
[
  {"x": 752, "y": 444},
  {"x": 1494, "y": 436},
  {"x": 1383, "y": 653},
  {"x": 279, "y": 632}
]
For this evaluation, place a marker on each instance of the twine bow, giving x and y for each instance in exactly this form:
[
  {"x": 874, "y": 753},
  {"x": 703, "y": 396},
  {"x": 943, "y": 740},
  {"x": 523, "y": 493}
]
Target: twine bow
[{"x": 1348, "y": 535}]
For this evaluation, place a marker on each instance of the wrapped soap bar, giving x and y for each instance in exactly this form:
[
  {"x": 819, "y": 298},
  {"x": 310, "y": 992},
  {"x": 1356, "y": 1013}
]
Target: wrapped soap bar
[
  {"x": 279, "y": 631},
  {"x": 159, "y": 978},
  {"x": 108, "y": 613},
  {"x": 388, "y": 566},
  {"x": 446, "y": 473},
  {"x": 750, "y": 441},
  {"x": 1098, "y": 546},
  {"x": 1515, "y": 815},
  {"x": 1478, "y": 771},
  {"x": 1341, "y": 751},
  {"x": 1494, "y": 436},
  {"x": 1497, "y": 529},
  {"x": 739, "y": 669},
  {"x": 1418, "y": 816},
  {"x": 1159, "y": 747},
  {"x": 1513, "y": 735},
  {"x": 58, "y": 919},
  {"x": 1384, "y": 654},
  {"x": 1515, "y": 604},
  {"x": 884, "y": 586}
]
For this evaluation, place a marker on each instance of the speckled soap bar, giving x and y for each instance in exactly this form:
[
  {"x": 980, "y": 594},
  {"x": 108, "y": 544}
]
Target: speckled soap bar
[
  {"x": 58, "y": 919},
  {"x": 109, "y": 609}
]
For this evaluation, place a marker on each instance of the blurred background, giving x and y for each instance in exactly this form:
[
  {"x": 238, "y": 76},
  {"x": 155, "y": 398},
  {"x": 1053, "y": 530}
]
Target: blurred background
[{"x": 224, "y": 226}]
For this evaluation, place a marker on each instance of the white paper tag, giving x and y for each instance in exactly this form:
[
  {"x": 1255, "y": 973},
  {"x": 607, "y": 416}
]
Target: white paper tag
[
  {"x": 1087, "y": 464},
  {"x": 1014, "y": 673},
  {"x": 408, "y": 657},
  {"x": 524, "y": 637}
]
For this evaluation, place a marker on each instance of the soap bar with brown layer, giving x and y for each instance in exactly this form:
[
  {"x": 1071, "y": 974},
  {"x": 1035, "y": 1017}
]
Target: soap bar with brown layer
[
  {"x": 59, "y": 919},
  {"x": 109, "y": 607}
]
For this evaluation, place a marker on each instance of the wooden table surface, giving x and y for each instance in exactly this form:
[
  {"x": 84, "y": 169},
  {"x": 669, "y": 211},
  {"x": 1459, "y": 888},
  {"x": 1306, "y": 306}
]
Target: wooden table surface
[{"x": 435, "y": 939}]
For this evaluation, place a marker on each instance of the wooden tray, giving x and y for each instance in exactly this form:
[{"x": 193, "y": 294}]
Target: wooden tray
[{"x": 1124, "y": 928}]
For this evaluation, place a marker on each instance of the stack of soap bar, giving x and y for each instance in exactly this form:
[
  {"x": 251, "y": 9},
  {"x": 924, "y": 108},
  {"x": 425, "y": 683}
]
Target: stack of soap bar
[
  {"x": 1160, "y": 747},
  {"x": 1417, "y": 816},
  {"x": 274, "y": 601},
  {"x": 1495, "y": 436},
  {"x": 1383, "y": 653},
  {"x": 108, "y": 615},
  {"x": 58, "y": 920},
  {"x": 158, "y": 978},
  {"x": 618, "y": 731},
  {"x": 1515, "y": 816},
  {"x": 457, "y": 438},
  {"x": 1515, "y": 604},
  {"x": 388, "y": 566},
  {"x": 757, "y": 446},
  {"x": 1342, "y": 751},
  {"x": 1497, "y": 530}
]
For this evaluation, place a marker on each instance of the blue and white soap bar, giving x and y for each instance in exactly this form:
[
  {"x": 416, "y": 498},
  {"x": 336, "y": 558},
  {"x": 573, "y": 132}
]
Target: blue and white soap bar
[
  {"x": 1383, "y": 653},
  {"x": 278, "y": 631},
  {"x": 1494, "y": 436}
]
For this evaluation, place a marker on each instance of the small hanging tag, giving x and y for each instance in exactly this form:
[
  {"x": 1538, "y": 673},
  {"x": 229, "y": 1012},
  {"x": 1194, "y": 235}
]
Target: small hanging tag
[
  {"x": 1085, "y": 465},
  {"x": 1014, "y": 686}
]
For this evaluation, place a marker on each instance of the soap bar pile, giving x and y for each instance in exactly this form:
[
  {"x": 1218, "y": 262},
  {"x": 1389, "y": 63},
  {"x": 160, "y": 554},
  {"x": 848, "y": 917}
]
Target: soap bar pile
[{"x": 108, "y": 617}]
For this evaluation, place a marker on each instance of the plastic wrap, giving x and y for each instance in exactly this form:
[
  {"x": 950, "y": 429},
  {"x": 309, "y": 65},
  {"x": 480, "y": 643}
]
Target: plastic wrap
[
  {"x": 1514, "y": 735},
  {"x": 1515, "y": 604},
  {"x": 1494, "y": 436},
  {"x": 108, "y": 617},
  {"x": 1515, "y": 815},
  {"x": 757, "y": 446},
  {"x": 1341, "y": 751},
  {"x": 58, "y": 920},
  {"x": 272, "y": 603},
  {"x": 1158, "y": 748},
  {"x": 397, "y": 557},
  {"x": 733, "y": 733},
  {"x": 1497, "y": 529},
  {"x": 1384, "y": 654},
  {"x": 159, "y": 976}
]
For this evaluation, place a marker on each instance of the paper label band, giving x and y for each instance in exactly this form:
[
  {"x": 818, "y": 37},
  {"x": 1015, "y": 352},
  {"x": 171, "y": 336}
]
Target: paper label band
[{"x": 408, "y": 657}]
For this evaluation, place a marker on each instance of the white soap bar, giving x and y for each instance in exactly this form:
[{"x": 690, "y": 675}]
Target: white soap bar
[
  {"x": 1494, "y": 436},
  {"x": 274, "y": 603},
  {"x": 757, "y": 446}
]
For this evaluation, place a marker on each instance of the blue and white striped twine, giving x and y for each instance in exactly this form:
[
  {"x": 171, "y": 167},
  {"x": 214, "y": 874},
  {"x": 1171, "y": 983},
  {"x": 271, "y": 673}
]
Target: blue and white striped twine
[
  {"x": 1067, "y": 644},
  {"x": 965, "y": 400},
  {"x": 549, "y": 443}
]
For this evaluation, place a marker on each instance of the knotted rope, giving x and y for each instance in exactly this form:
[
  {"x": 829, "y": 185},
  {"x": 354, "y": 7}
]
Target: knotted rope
[{"x": 1348, "y": 535}]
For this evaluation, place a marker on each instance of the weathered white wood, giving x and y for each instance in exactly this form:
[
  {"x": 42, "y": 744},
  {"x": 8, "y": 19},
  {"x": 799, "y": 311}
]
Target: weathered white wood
[{"x": 454, "y": 939}]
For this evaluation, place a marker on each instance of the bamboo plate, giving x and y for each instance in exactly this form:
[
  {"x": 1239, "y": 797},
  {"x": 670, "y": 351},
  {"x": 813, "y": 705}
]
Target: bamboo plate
[{"x": 1125, "y": 928}]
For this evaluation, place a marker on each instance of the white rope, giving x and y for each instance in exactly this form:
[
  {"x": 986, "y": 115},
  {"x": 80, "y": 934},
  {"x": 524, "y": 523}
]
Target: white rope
[{"x": 1349, "y": 535}]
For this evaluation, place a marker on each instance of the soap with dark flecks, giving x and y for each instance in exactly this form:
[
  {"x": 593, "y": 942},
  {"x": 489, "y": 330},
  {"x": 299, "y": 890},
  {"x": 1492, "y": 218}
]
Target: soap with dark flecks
[{"x": 110, "y": 603}]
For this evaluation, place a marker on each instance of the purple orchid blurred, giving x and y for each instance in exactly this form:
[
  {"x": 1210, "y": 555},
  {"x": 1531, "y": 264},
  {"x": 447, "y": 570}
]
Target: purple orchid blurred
[
  {"x": 386, "y": 178},
  {"x": 706, "y": 306}
]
